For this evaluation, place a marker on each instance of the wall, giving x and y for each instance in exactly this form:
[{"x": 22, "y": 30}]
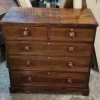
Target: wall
[
  {"x": 5, "y": 5},
  {"x": 95, "y": 7}
]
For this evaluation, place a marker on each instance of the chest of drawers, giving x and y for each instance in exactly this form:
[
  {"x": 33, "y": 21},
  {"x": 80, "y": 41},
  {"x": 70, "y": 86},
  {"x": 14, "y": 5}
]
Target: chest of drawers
[{"x": 49, "y": 49}]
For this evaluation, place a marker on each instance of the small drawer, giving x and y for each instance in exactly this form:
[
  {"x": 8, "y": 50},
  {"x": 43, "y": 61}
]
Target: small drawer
[
  {"x": 31, "y": 78},
  {"x": 25, "y": 32},
  {"x": 51, "y": 63},
  {"x": 49, "y": 48},
  {"x": 72, "y": 34}
]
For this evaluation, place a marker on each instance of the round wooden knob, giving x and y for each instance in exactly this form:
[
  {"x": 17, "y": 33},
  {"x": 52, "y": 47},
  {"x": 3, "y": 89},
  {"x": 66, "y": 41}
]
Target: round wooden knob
[
  {"x": 48, "y": 43},
  {"x": 27, "y": 48},
  {"x": 49, "y": 57},
  {"x": 29, "y": 79},
  {"x": 49, "y": 73},
  {"x": 27, "y": 91},
  {"x": 69, "y": 80},
  {"x": 71, "y": 49},
  {"x": 28, "y": 62},
  {"x": 72, "y": 33},
  {"x": 70, "y": 64},
  {"x": 26, "y": 32}
]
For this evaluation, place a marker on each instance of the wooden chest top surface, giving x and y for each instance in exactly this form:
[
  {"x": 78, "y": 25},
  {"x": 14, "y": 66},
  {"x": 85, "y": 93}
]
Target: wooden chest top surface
[
  {"x": 49, "y": 49},
  {"x": 51, "y": 16}
]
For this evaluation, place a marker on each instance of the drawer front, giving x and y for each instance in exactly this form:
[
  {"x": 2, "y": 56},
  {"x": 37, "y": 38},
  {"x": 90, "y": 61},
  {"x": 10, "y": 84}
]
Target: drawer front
[
  {"x": 49, "y": 78},
  {"x": 45, "y": 88},
  {"x": 77, "y": 64},
  {"x": 53, "y": 48},
  {"x": 72, "y": 34},
  {"x": 23, "y": 33}
]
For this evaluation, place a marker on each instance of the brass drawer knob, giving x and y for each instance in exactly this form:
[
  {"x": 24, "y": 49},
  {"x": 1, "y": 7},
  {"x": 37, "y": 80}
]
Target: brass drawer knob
[
  {"x": 26, "y": 32},
  {"x": 72, "y": 33},
  {"x": 71, "y": 49},
  {"x": 29, "y": 79},
  {"x": 27, "y": 48},
  {"x": 70, "y": 64},
  {"x": 69, "y": 80},
  {"x": 28, "y": 62}
]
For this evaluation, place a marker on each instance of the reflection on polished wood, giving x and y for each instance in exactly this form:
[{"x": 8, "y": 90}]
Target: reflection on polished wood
[{"x": 49, "y": 50}]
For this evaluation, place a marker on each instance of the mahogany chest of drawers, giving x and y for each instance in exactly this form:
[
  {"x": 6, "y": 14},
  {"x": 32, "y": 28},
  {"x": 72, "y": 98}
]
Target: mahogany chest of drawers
[{"x": 49, "y": 49}]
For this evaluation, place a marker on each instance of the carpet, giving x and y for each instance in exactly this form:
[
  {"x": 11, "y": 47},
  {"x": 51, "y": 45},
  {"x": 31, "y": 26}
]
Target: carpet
[{"x": 94, "y": 85}]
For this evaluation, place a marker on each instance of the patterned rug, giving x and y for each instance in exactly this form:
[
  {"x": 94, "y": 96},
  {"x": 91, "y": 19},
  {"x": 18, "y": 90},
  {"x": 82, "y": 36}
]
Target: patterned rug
[{"x": 5, "y": 95}]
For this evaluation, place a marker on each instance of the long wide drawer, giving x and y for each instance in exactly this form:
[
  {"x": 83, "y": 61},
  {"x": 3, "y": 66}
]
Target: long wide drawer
[
  {"x": 49, "y": 48},
  {"x": 43, "y": 88},
  {"x": 25, "y": 32},
  {"x": 29, "y": 62},
  {"x": 32, "y": 78}
]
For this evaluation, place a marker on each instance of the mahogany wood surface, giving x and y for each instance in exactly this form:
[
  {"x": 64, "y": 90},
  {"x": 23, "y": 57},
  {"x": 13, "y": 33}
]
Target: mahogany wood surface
[
  {"x": 48, "y": 89},
  {"x": 28, "y": 78},
  {"x": 56, "y": 34},
  {"x": 25, "y": 33},
  {"x": 47, "y": 63},
  {"x": 54, "y": 48},
  {"x": 49, "y": 49},
  {"x": 44, "y": 16}
]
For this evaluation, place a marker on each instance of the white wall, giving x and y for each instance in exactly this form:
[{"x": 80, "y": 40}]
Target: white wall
[{"x": 95, "y": 7}]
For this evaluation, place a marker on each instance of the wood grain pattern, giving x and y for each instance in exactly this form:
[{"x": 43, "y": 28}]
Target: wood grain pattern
[
  {"x": 49, "y": 50},
  {"x": 56, "y": 34},
  {"x": 47, "y": 89},
  {"x": 80, "y": 34},
  {"x": 38, "y": 16},
  {"x": 17, "y": 33},
  {"x": 55, "y": 48},
  {"x": 49, "y": 78},
  {"x": 26, "y": 62}
]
